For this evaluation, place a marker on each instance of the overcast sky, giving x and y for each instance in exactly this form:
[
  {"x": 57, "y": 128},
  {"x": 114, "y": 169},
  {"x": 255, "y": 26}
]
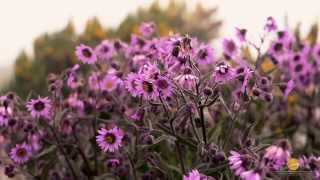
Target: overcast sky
[{"x": 23, "y": 20}]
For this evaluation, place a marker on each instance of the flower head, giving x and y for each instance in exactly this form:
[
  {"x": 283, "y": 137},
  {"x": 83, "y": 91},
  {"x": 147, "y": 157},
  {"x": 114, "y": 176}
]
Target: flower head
[
  {"x": 40, "y": 107},
  {"x": 147, "y": 88},
  {"x": 109, "y": 140},
  {"x": 131, "y": 83},
  {"x": 21, "y": 153},
  {"x": 223, "y": 73},
  {"x": 194, "y": 175},
  {"x": 147, "y": 29},
  {"x": 110, "y": 82},
  {"x": 270, "y": 25},
  {"x": 86, "y": 54},
  {"x": 105, "y": 50},
  {"x": 164, "y": 86},
  {"x": 229, "y": 47},
  {"x": 277, "y": 155},
  {"x": 204, "y": 55},
  {"x": 241, "y": 34}
]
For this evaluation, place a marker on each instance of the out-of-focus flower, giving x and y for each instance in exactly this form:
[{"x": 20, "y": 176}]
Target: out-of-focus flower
[
  {"x": 109, "y": 83},
  {"x": 270, "y": 25},
  {"x": 85, "y": 54},
  {"x": 147, "y": 29},
  {"x": 105, "y": 50},
  {"x": 277, "y": 155}
]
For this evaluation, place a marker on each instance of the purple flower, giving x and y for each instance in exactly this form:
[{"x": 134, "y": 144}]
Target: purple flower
[
  {"x": 204, "y": 55},
  {"x": 110, "y": 82},
  {"x": 241, "y": 34},
  {"x": 86, "y": 54},
  {"x": 110, "y": 140},
  {"x": 147, "y": 88},
  {"x": 277, "y": 155},
  {"x": 194, "y": 175},
  {"x": 187, "y": 80},
  {"x": 164, "y": 86},
  {"x": 250, "y": 175},
  {"x": 40, "y": 107},
  {"x": 147, "y": 29},
  {"x": 223, "y": 73},
  {"x": 229, "y": 47},
  {"x": 131, "y": 83},
  {"x": 270, "y": 25},
  {"x": 237, "y": 162},
  {"x": 105, "y": 50},
  {"x": 72, "y": 80},
  {"x": 21, "y": 153}
]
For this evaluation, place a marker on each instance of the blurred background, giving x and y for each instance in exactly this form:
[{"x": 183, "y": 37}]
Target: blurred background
[{"x": 38, "y": 36}]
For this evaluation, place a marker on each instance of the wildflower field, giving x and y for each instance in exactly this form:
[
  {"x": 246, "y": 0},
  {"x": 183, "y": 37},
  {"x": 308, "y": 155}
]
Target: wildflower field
[{"x": 173, "y": 107}]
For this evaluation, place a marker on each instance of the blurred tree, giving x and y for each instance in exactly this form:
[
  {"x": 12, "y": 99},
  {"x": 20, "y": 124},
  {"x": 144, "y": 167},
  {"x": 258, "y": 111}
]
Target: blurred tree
[{"x": 54, "y": 52}]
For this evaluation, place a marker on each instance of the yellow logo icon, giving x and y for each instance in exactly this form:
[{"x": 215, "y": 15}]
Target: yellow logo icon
[{"x": 293, "y": 164}]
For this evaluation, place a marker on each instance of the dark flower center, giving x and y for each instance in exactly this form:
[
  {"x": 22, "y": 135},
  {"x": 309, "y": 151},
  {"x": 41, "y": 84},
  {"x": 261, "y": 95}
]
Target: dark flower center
[
  {"x": 296, "y": 58},
  {"x": 133, "y": 84},
  {"x": 162, "y": 84},
  {"x": 202, "y": 54},
  {"x": 21, "y": 152},
  {"x": 105, "y": 49},
  {"x": 298, "y": 68},
  {"x": 240, "y": 70},
  {"x": 147, "y": 86},
  {"x": 175, "y": 51},
  {"x": 231, "y": 46},
  {"x": 117, "y": 45},
  {"x": 243, "y": 32},
  {"x": 140, "y": 42},
  {"x": 87, "y": 53},
  {"x": 110, "y": 138},
  {"x": 39, "y": 106},
  {"x": 278, "y": 47},
  {"x": 318, "y": 52}
]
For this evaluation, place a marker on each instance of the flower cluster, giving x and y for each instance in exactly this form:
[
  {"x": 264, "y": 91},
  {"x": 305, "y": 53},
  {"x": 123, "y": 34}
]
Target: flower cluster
[{"x": 171, "y": 108}]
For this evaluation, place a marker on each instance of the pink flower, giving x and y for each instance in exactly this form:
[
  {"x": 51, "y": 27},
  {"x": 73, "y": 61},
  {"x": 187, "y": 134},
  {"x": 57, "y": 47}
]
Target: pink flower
[
  {"x": 86, "y": 54},
  {"x": 110, "y": 82},
  {"x": 277, "y": 155},
  {"x": 109, "y": 140},
  {"x": 21, "y": 153},
  {"x": 105, "y": 50},
  {"x": 40, "y": 107}
]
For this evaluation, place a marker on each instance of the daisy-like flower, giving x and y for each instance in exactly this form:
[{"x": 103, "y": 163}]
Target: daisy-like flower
[
  {"x": 72, "y": 80},
  {"x": 147, "y": 88},
  {"x": 229, "y": 47},
  {"x": 109, "y": 83},
  {"x": 251, "y": 175},
  {"x": 147, "y": 29},
  {"x": 194, "y": 175},
  {"x": 164, "y": 86},
  {"x": 109, "y": 140},
  {"x": 277, "y": 155},
  {"x": 241, "y": 34},
  {"x": 5, "y": 114},
  {"x": 223, "y": 73},
  {"x": 131, "y": 83},
  {"x": 105, "y": 50},
  {"x": 204, "y": 55},
  {"x": 270, "y": 25},
  {"x": 40, "y": 107},
  {"x": 86, "y": 54},
  {"x": 21, "y": 153}
]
